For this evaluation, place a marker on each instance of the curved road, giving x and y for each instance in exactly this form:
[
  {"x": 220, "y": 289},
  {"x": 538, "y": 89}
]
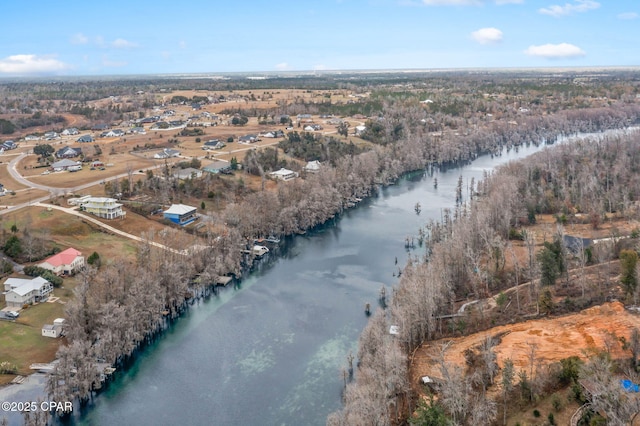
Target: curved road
[{"x": 39, "y": 201}]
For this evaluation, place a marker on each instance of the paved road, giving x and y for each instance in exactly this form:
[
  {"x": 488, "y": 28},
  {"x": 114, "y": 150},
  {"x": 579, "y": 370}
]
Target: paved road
[
  {"x": 110, "y": 228},
  {"x": 54, "y": 190}
]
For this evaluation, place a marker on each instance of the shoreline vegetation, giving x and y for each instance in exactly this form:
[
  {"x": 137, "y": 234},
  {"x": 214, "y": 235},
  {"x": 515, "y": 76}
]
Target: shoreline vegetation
[
  {"x": 591, "y": 180},
  {"x": 126, "y": 303}
]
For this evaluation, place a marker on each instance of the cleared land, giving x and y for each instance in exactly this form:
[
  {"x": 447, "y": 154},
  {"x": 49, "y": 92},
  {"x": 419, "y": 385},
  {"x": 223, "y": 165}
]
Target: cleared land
[{"x": 551, "y": 339}]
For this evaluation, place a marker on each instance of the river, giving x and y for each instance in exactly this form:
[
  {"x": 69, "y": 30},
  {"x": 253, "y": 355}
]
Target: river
[{"x": 270, "y": 351}]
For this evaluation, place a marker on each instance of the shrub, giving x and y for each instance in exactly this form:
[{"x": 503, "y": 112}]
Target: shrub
[
  {"x": 536, "y": 413},
  {"x": 7, "y": 267},
  {"x": 7, "y": 368},
  {"x": 36, "y": 271},
  {"x": 94, "y": 259}
]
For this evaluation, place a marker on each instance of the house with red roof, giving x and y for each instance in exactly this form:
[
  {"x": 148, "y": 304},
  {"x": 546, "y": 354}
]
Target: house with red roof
[{"x": 67, "y": 262}]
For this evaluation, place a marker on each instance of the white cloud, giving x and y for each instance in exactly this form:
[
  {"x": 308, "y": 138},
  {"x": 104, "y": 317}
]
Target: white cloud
[
  {"x": 182, "y": 44},
  {"x": 121, "y": 43},
  {"x": 451, "y": 2},
  {"x": 282, "y": 66},
  {"x": 499, "y": 2},
  {"x": 31, "y": 64},
  {"x": 487, "y": 35},
  {"x": 319, "y": 67},
  {"x": 555, "y": 51},
  {"x": 628, "y": 16},
  {"x": 79, "y": 38},
  {"x": 578, "y": 6}
]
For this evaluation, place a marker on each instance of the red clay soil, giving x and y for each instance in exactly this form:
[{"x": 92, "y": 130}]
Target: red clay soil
[{"x": 596, "y": 328}]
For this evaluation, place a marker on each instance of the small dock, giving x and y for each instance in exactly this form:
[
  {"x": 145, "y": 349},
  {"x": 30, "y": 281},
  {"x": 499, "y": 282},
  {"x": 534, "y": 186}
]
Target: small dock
[
  {"x": 223, "y": 280},
  {"x": 42, "y": 367}
]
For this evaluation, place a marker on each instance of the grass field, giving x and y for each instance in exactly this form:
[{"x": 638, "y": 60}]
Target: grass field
[
  {"x": 22, "y": 340},
  {"x": 71, "y": 231}
]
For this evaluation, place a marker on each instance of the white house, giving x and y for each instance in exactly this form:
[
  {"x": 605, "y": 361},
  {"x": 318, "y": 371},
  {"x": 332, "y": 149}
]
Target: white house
[
  {"x": 188, "y": 173},
  {"x": 312, "y": 166},
  {"x": 65, "y": 164},
  {"x": 167, "y": 153},
  {"x": 106, "y": 208},
  {"x": 64, "y": 263},
  {"x": 284, "y": 174},
  {"x": 70, "y": 131},
  {"x": 21, "y": 291}
]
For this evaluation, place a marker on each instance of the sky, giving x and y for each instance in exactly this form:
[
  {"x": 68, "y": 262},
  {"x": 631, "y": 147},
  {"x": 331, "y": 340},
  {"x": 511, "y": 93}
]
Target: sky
[{"x": 128, "y": 37}]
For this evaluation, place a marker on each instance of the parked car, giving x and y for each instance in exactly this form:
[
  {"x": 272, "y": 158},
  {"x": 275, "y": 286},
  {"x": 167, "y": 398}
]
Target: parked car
[{"x": 12, "y": 314}]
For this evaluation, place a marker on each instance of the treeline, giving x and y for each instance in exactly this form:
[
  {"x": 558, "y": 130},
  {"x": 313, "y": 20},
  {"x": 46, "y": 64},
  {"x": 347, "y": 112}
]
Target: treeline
[
  {"x": 466, "y": 256},
  {"x": 311, "y": 146},
  {"x": 127, "y": 302}
]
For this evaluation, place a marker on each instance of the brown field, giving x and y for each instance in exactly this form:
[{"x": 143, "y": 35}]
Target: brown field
[
  {"x": 71, "y": 231},
  {"x": 22, "y": 196},
  {"x": 5, "y": 177}
]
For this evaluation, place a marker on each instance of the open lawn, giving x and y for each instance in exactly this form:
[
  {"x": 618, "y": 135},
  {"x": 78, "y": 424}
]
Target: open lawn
[
  {"x": 118, "y": 163},
  {"x": 71, "y": 231},
  {"x": 22, "y": 196},
  {"x": 5, "y": 177},
  {"x": 22, "y": 340}
]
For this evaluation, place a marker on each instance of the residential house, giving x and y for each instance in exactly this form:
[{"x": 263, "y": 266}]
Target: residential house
[
  {"x": 248, "y": 139},
  {"x": 149, "y": 120},
  {"x": 66, "y": 262},
  {"x": 7, "y": 145},
  {"x": 68, "y": 152},
  {"x": 70, "y": 131},
  {"x": 137, "y": 130},
  {"x": 180, "y": 214},
  {"x": 106, "y": 208},
  {"x": 100, "y": 127},
  {"x": 284, "y": 174},
  {"x": 51, "y": 136},
  {"x": 213, "y": 144},
  {"x": 218, "y": 167},
  {"x": 312, "y": 128},
  {"x": 312, "y": 167},
  {"x": 32, "y": 138},
  {"x": 188, "y": 173},
  {"x": 358, "y": 130},
  {"x": 167, "y": 153},
  {"x": 85, "y": 138},
  {"x": 114, "y": 133},
  {"x": 21, "y": 291},
  {"x": 65, "y": 164},
  {"x": 273, "y": 134}
]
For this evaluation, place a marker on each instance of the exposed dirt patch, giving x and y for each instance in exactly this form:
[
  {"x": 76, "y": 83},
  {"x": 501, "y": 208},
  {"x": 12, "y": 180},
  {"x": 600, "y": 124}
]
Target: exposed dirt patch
[{"x": 550, "y": 339}]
